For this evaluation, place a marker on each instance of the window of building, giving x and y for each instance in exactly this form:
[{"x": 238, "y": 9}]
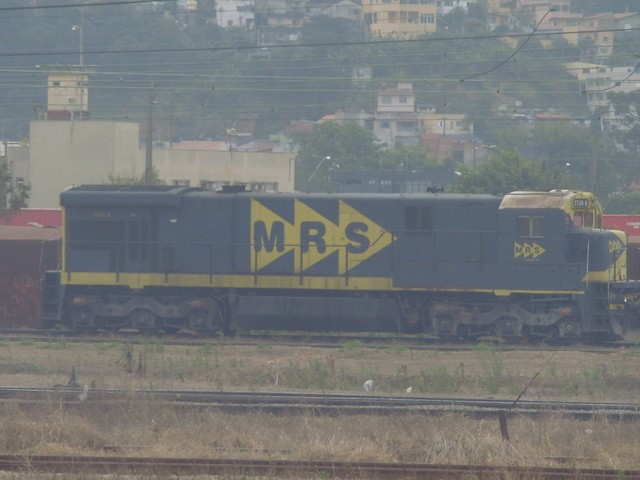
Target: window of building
[
  {"x": 416, "y": 186},
  {"x": 55, "y": 83},
  {"x": 393, "y": 17},
  {"x": 385, "y": 125},
  {"x": 264, "y": 187},
  {"x": 530, "y": 226},
  {"x": 214, "y": 185},
  {"x": 413, "y": 18},
  {"x": 403, "y": 17}
]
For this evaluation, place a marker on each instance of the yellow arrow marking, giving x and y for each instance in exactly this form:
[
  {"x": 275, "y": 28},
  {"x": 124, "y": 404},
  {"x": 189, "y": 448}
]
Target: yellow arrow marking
[
  {"x": 318, "y": 237},
  {"x": 312, "y": 237},
  {"x": 527, "y": 250},
  {"x": 361, "y": 236}
]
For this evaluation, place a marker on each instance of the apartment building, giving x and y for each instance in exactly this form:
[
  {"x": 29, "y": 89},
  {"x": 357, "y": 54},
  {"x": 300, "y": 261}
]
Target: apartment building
[{"x": 400, "y": 18}]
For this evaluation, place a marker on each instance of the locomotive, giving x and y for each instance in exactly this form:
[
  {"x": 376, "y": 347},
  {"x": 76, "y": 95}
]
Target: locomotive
[{"x": 529, "y": 264}]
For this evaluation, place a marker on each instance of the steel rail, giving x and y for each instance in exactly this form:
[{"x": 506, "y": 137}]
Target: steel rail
[
  {"x": 328, "y": 403},
  {"x": 309, "y": 339},
  {"x": 296, "y": 468}
]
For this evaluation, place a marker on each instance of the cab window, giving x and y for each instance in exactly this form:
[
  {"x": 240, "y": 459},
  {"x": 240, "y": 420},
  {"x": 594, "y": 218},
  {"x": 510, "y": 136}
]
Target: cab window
[
  {"x": 583, "y": 219},
  {"x": 529, "y": 226}
]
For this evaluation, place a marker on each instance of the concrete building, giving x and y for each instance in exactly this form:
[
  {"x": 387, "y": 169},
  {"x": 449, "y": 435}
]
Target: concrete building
[
  {"x": 498, "y": 15},
  {"x": 68, "y": 94},
  {"x": 597, "y": 80},
  {"x": 445, "y": 6},
  {"x": 65, "y": 153},
  {"x": 346, "y": 9},
  {"x": 400, "y": 18},
  {"x": 235, "y": 13}
]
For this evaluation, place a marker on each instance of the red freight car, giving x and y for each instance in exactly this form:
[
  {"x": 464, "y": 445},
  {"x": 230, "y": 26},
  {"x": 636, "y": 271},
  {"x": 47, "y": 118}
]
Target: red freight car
[
  {"x": 39, "y": 217},
  {"x": 630, "y": 224},
  {"x": 25, "y": 254}
]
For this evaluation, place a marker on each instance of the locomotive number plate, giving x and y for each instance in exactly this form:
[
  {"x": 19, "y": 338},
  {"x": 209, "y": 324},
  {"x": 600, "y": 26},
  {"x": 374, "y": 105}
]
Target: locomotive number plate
[{"x": 580, "y": 203}]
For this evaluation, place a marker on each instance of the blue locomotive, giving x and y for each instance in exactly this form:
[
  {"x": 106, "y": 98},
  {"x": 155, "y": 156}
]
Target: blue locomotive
[{"x": 174, "y": 258}]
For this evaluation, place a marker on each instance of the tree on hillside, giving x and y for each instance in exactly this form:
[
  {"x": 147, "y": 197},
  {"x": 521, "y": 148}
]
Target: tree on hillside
[
  {"x": 628, "y": 204},
  {"x": 346, "y": 146},
  {"x": 507, "y": 172}
]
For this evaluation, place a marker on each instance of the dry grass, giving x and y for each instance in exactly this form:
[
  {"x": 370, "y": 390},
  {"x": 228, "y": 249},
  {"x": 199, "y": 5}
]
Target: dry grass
[
  {"x": 154, "y": 429},
  {"x": 157, "y": 430}
]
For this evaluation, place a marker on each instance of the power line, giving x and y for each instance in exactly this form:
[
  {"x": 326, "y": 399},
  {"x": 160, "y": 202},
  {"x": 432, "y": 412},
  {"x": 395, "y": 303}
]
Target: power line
[
  {"x": 287, "y": 46},
  {"x": 514, "y": 53},
  {"x": 81, "y": 5}
]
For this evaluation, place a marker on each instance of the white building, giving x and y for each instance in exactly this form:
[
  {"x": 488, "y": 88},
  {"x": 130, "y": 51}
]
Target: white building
[
  {"x": 235, "y": 13},
  {"x": 445, "y": 6}
]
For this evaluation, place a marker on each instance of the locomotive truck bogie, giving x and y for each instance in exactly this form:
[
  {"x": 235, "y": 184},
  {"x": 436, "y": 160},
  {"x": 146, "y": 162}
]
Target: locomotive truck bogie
[{"x": 144, "y": 312}]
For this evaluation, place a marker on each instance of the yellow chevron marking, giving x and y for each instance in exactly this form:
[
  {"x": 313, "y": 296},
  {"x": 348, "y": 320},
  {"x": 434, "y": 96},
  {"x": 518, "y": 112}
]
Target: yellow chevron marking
[
  {"x": 313, "y": 237},
  {"x": 527, "y": 250},
  {"x": 366, "y": 238}
]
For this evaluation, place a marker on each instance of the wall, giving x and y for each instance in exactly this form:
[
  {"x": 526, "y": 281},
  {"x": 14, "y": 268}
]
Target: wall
[
  {"x": 233, "y": 167},
  {"x": 66, "y": 153}
]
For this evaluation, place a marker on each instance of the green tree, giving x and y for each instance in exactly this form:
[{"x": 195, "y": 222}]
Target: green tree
[
  {"x": 408, "y": 157},
  {"x": 12, "y": 196},
  {"x": 507, "y": 172},
  {"x": 330, "y": 144},
  {"x": 139, "y": 180},
  {"x": 627, "y": 203}
]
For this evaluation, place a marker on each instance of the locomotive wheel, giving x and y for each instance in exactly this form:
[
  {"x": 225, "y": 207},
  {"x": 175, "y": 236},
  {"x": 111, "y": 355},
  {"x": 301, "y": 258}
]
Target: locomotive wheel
[
  {"x": 569, "y": 328},
  {"x": 82, "y": 317},
  {"x": 142, "y": 319},
  {"x": 445, "y": 326},
  {"x": 205, "y": 320},
  {"x": 508, "y": 326}
]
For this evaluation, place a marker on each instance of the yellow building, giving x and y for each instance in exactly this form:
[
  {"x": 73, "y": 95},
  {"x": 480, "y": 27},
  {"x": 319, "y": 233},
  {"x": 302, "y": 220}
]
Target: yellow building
[{"x": 400, "y": 18}]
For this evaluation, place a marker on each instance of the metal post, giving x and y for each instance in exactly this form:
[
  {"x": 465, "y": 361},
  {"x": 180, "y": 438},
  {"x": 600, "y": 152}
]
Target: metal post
[{"x": 148, "y": 165}]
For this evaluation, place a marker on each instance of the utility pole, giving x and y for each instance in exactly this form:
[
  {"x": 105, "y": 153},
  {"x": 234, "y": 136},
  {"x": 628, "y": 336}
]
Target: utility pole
[{"x": 148, "y": 164}]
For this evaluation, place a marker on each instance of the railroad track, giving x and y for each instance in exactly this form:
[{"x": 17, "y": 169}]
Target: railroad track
[
  {"x": 292, "y": 403},
  {"x": 294, "y": 469},
  {"x": 306, "y": 339}
]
